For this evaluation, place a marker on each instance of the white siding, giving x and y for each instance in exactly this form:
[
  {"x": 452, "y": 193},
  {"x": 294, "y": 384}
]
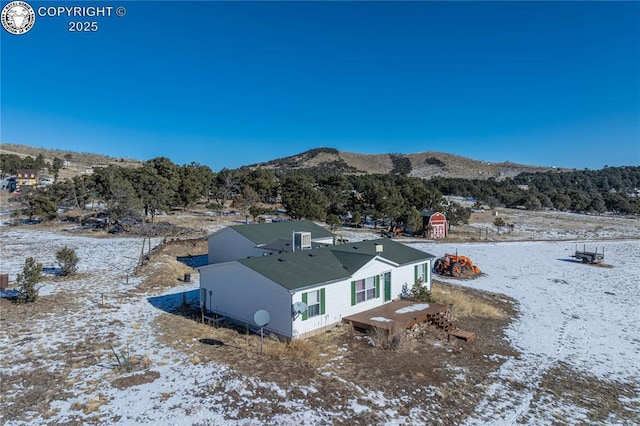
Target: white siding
[
  {"x": 238, "y": 292},
  {"x": 338, "y": 296},
  {"x": 227, "y": 245}
]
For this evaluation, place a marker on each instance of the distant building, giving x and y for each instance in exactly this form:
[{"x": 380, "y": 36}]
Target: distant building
[
  {"x": 27, "y": 177},
  {"x": 436, "y": 222}
]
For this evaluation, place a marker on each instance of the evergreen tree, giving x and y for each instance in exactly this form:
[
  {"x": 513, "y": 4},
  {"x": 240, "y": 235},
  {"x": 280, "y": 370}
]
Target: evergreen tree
[
  {"x": 28, "y": 280},
  {"x": 68, "y": 261}
]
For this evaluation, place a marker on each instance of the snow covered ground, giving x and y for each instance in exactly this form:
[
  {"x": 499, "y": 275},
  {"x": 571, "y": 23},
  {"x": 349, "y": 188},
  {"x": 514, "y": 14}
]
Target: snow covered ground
[
  {"x": 581, "y": 315},
  {"x": 570, "y": 314}
]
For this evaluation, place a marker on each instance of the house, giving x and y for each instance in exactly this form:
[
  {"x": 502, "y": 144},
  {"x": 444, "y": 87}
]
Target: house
[
  {"x": 436, "y": 222},
  {"x": 333, "y": 282},
  {"x": 27, "y": 177},
  {"x": 242, "y": 241}
]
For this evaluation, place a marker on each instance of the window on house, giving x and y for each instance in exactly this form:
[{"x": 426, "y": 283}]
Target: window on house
[
  {"x": 421, "y": 272},
  {"x": 363, "y": 290},
  {"x": 313, "y": 303}
]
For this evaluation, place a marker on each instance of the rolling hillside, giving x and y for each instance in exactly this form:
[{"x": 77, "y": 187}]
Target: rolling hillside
[
  {"x": 79, "y": 162},
  {"x": 423, "y": 164}
]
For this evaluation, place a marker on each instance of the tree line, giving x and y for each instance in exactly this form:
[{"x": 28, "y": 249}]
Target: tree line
[
  {"x": 159, "y": 185},
  {"x": 11, "y": 163},
  {"x": 322, "y": 193},
  {"x": 611, "y": 189}
]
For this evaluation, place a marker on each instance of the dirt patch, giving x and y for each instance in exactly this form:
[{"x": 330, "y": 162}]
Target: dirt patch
[
  {"x": 601, "y": 402},
  {"x": 44, "y": 387},
  {"x": 600, "y": 265},
  {"x": 136, "y": 379}
]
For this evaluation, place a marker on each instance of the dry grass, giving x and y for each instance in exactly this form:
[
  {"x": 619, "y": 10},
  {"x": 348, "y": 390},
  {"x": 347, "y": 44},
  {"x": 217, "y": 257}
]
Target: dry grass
[
  {"x": 135, "y": 379},
  {"x": 464, "y": 304},
  {"x": 164, "y": 270},
  {"x": 296, "y": 350},
  {"x": 92, "y": 405}
]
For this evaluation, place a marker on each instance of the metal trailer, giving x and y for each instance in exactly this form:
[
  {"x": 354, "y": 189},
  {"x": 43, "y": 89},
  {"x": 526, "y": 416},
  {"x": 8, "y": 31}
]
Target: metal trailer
[{"x": 591, "y": 257}]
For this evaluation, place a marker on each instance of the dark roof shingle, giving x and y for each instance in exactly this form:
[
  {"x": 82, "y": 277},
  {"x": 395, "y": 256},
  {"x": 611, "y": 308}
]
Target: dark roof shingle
[
  {"x": 263, "y": 233},
  {"x": 328, "y": 264}
]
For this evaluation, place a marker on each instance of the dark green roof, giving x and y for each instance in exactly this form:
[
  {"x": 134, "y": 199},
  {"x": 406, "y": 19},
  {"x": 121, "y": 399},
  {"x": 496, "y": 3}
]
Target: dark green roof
[
  {"x": 300, "y": 269},
  {"x": 263, "y": 233},
  {"x": 328, "y": 264},
  {"x": 352, "y": 262},
  {"x": 391, "y": 250}
]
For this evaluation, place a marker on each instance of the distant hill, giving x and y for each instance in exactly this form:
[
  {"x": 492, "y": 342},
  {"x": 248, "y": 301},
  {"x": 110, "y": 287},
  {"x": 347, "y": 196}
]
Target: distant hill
[
  {"x": 423, "y": 164},
  {"x": 78, "y": 162}
]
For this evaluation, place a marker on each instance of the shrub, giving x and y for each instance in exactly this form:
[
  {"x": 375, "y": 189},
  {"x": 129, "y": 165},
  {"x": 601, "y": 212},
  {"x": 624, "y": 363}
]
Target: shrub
[
  {"x": 27, "y": 281},
  {"x": 333, "y": 220},
  {"x": 420, "y": 293},
  {"x": 68, "y": 261},
  {"x": 417, "y": 293}
]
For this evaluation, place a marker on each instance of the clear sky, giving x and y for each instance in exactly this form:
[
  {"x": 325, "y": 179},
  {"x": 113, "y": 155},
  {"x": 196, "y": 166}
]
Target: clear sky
[{"x": 227, "y": 84}]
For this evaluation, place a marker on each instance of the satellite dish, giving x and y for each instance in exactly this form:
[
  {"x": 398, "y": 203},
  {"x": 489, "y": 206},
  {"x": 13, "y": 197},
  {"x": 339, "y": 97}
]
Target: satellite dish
[
  {"x": 261, "y": 318},
  {"x": 299, "y": 307}
]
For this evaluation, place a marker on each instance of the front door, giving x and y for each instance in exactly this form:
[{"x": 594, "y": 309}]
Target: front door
[{"x": 387, "y": 286}]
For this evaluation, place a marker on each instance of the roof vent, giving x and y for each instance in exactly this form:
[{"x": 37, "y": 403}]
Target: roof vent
[
  {"x": 281, "y": 259},
  {"x": 379, "y": 248}
]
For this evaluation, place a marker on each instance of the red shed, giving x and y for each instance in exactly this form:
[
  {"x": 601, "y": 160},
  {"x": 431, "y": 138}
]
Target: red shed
[{"x": 438, "y": 223}]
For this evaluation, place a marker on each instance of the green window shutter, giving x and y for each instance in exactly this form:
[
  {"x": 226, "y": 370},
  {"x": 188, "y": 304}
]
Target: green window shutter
[
  {"x": 353, "y": 293},
  {"x": 304, "y": 300},
  {"x": 377, "y": 286},
  {"x": 387, "y": 286},
  {"x": 415, "y": 273},
  {"x": 322, "y": 301}
]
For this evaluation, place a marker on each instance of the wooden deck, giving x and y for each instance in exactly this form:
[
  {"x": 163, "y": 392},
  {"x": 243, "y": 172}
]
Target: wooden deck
[
  {"x": 402, "y": 314},
  {"x": 396, "y": 315}
]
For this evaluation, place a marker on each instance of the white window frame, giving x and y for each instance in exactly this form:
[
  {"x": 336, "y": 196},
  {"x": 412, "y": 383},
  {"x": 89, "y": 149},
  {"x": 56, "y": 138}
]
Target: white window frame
[
  {"x": 313, "y": 307},
  {"x": 365, "y": 289},
  {"x": 422, "y": 272}
]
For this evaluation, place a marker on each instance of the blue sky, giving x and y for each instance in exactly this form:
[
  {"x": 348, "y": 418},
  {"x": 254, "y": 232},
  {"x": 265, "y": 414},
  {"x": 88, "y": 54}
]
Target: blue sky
[{"x": 228, "y": 84}]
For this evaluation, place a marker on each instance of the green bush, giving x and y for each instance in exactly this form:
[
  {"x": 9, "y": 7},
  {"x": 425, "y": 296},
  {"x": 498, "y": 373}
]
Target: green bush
[
  {"x": 68, "y": 261},
  {"x": 27, "y": 281},
  {"x": 420, "y": 293}
]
